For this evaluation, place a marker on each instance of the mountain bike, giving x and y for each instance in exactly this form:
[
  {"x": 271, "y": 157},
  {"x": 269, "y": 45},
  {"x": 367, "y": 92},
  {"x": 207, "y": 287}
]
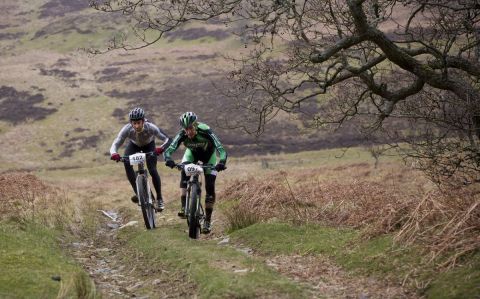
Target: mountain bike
[
  {"x": 193, "y": 206},
  {"x": 145, "y": 196}
]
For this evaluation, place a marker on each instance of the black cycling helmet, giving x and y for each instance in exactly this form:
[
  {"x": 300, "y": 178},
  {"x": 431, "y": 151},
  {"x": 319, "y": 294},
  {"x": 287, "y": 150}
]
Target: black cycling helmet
[
  {"x": 136, "y": 114},
  {"x": 188, "y": 119}
]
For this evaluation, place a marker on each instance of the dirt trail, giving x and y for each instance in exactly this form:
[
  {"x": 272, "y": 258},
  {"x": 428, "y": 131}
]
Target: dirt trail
[
  {"x": 102, "y": 261},
  {"x": 323, "y": 278},
  {"x": 102, "y": 258},
  {"x": 330, "y": 281}
]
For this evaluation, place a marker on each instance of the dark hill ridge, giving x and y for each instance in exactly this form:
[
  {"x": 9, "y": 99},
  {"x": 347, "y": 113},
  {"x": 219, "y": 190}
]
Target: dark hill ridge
[
  {"x": 59, "y": 8},
  {"x": 166, "y": 81},
  {"x": 18, "y": 106},
  {"x": 197, "y": 94}
]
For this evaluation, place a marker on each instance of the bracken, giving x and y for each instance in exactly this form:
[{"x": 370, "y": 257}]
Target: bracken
[
  {"x": 445, "y": 221},
  {"x": 24, "y": 197}
]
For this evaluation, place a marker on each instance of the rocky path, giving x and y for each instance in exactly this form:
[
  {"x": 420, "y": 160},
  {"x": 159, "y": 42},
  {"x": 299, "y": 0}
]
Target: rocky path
[
  {"x": 102, "y": 259},
  {"x": 326, "y": 280}
]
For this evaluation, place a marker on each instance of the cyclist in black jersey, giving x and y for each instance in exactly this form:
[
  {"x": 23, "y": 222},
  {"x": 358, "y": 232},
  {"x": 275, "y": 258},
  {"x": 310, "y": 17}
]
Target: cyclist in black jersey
[
  {"x": 141, "y": 134},
  {"x": 201, "y": 144}
]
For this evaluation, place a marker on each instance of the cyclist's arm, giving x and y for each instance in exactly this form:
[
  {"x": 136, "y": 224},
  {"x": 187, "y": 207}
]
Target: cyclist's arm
[
  {"x": 161, "y": 135},
  {"x": 218, "y": 145},
  {"x": 177, "y": 140},
  {"x": 122, "y": 135}
]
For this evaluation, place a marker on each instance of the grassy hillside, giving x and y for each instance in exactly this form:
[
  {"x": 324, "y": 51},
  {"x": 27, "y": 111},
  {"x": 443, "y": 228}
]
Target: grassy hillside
[
  {"x": 60, "y": 104},
  {"x": 36, "y": 221},
  {"x": 294, "y": 225},
  {"x": 34, "y": 265},
  {"x": 332, "y": 238}
]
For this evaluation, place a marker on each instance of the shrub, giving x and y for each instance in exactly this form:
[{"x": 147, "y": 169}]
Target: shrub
[
  {"x": 24, "y": 197},
  {"x": 446, "y": 221}
]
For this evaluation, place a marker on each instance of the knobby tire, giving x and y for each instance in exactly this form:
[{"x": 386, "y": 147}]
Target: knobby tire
[
  {"x": 147, "y": 208},
  {"x": 194, "y": 213}
]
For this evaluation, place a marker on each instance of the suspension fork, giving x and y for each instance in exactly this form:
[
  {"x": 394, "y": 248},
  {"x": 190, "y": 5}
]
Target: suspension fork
[
  {"x": 142, "y": 171},
  {"x": 193, "y": 181}
]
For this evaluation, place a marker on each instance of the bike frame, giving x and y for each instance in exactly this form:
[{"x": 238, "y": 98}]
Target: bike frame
[
  {"x": 145, "y": 197},
  {"x": 194, "y": 213}
]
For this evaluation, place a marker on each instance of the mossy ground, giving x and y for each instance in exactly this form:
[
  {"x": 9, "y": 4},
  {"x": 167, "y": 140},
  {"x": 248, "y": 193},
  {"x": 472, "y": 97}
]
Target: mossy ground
[{"x": 34, "y": 265}]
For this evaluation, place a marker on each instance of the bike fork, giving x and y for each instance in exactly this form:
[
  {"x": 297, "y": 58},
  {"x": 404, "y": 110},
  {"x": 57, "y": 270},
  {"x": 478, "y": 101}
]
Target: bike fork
[
  {"x": 150, "y": 199},
  {"x": 188, "y": 209},
  {"x": 138, "y": 181}
]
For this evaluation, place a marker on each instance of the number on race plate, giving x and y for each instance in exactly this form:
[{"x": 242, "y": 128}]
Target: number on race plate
[
  {"x": 137, "y": 158},
  {"x": 192, "y": 169}
]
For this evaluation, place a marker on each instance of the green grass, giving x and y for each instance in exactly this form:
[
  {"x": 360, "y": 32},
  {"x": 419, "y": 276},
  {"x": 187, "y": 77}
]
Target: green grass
[
  {"x": 65, "y": 43},
  {"x": 31, "y": 260},
  {"x": 52, "y": 131},
  {"x": 210, "y": 267},
  {"x": 461, "y": 282},
  {"x": 282, "y": 238},
  {"x": 327, "y": 158},
  {"x": 4, "y": 127},
  {"x": 379, "y": 256},
  {"x": 97, "y": 175},
  {"x": 62, "y": 37}
]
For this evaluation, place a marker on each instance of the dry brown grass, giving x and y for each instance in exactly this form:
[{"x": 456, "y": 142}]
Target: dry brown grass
[
  {"x": 446, "y": 222},
  {"x": 24, "y": 197},
  {"x": 354, "y": 204}
]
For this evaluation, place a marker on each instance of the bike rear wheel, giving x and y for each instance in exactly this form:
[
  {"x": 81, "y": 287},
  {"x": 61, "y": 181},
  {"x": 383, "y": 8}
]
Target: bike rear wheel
[
  {"x": 194, "y": 214},
  {"x": 148, "y": 211}
]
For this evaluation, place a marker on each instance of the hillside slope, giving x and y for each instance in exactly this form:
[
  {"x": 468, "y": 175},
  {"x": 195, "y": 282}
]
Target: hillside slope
[{"x": 66, "y": 106}]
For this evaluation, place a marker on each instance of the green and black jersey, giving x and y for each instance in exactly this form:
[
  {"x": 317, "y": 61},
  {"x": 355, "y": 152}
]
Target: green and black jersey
[{"x": 202, "y": 146}]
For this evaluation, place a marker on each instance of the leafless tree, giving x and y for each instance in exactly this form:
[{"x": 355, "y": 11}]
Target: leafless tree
[{"x": 407, "y": 69}]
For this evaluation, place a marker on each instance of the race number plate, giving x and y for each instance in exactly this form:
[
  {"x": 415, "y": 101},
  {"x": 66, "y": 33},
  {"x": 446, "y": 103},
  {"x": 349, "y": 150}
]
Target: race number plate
[
  {"x": 137, "y": 158},
  {"x": 191, "y": 169}
]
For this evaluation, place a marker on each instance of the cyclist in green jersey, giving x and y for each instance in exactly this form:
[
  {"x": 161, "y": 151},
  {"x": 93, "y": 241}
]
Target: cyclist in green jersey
[{"x": 201, "y": 144}]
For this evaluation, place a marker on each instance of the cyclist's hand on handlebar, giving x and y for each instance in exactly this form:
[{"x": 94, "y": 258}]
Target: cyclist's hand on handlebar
[
  {"x": 159, "y": 151},
  {"x": 220, "y": 166},
  {"x": 115, "y": 157},
  {"x": 170, "y": 163}
]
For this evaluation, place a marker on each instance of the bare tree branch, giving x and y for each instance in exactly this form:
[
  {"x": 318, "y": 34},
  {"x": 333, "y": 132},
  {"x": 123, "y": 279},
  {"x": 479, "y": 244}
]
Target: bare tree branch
[{"x": 411, "y": 64}]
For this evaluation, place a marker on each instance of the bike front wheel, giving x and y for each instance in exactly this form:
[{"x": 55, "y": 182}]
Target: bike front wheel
[
  {"x": 194, "y": 213},
  {"x": 146, "y": 205}
]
